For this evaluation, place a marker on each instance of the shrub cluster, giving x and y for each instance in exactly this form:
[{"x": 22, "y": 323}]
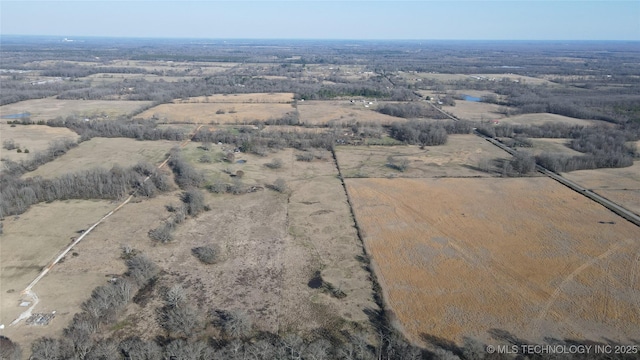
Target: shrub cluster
[{"x": 209, "y": 254}]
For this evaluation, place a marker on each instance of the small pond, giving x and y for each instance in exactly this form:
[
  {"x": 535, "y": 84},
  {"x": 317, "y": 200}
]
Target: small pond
[
  {"x": 17, "y": 116},
  {"x": 471, "y": 98}
]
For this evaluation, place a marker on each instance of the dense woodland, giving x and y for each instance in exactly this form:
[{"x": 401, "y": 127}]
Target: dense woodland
[{"x": 600, "y": 83}]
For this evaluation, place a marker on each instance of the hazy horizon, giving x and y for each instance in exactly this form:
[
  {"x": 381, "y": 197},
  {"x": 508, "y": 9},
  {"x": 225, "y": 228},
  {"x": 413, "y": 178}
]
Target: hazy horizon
[{"x": 327, "y": 20}]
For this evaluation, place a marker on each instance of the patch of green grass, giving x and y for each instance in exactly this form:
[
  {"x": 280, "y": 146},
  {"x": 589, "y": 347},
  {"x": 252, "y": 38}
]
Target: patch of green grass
[
  {"x": 384, "y": 140},
  {"x": 120, "y": 325}
]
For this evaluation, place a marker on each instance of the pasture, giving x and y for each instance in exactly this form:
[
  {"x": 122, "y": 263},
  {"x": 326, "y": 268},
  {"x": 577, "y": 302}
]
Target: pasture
[
  {"x": 272, "y": 98},
  {"x": 342, "y": 112},
  {"x": 461, "y": 156},
  {"x": 217, "y": 113},
  {"x": 475, "y": 111},
  {"x": 34, "y": 138},
  {"x": 542, "y": 118},
  {"x": 272, "y": 245},
  {"x": 105, "y": 153},
  {"x": 621, "y": 185},
  {"x": 49, "y": 108},
  {"x": 30, "y": 242},
  {"x": 525, "y": 257}
]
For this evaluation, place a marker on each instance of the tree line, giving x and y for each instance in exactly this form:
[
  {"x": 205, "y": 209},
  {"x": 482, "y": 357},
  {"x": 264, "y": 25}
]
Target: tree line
[
  {"x": 410, "y": 110},
  {"x": 426, "y": 133},
  {"x": 603, "y": 147}
]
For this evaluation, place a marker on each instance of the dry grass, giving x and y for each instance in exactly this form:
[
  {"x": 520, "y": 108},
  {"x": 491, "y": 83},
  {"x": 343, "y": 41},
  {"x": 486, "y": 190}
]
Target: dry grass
[
  {"x": 107, "y": 78},
  {"x": 554, "y": 146},
  {"x": 193, "y": 68},
  {"x": 35, "y": 138},
  {"x": 519, "y": 78},
  {"x": 462, "y": 156},
  {"x": 206, "y": 113},
  {"x": 458, "y": 257},
  {"x": 45, "y": 109},
  {"x": 31, "y": 241},
  {"x": 620, "y": 185},
  {"x": 341, "y": 112},
  {"x": 272, "y": 245},
  {"x": 260, "y": 98},
  {"x": 475, "y": 111},
  {"x": 541, "y": 118},
  {"x": 104, "y": 152}
]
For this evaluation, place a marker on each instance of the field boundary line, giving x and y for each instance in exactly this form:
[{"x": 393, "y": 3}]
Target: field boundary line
[
  {"x": 378, "y": 291},
  {"x": 28, "y": 291},
  {"x": 611, "y": 205}
]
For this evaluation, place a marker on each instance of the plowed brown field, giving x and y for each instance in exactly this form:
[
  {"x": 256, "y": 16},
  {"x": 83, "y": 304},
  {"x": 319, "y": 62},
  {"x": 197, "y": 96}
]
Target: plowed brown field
[{"x": 459, "y": 257}]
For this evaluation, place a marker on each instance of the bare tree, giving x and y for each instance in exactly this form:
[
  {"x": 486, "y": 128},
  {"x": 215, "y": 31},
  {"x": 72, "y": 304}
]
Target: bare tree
[
  {"x": 236, "y": 323},
  {"x": 138, "y": 349},
  {"x": 179, "y": 321},
  {"x": 162, "y": 233},
  {"x": 9, "y": 350},
  {"x": 104, "y": 350},
  {"x": 280, "y": 185},
  {"x": 183, "y": 350},
  {"x": 50, "y": 349},
  {"x": 274, "y": 164},
  {"x": 318, "y": 350},
  {"x": 175, "y": 296},
  {"x": 209, "y": 254},
  {"x": 141, "y": 269},
  {"x": 193, "y": 200}
]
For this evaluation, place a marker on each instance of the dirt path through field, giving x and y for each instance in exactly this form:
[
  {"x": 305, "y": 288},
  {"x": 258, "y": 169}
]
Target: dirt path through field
[{"x": 28, "y": 291}]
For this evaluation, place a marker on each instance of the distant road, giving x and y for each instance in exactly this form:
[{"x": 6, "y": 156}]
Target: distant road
[{"x": 616, "y": 208}]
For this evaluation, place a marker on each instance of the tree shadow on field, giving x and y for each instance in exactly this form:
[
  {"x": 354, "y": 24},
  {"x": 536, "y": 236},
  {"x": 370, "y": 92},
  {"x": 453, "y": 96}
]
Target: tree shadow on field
[
  {"x": 491, "y": 171},
  {"x": 506, "y": 337},
  {"x": 442, "y": 343}
]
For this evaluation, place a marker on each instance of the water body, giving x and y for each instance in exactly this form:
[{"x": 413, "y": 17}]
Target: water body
[
  {"x": 471, "y": 98},
  {"x": 17, "y": 116}
]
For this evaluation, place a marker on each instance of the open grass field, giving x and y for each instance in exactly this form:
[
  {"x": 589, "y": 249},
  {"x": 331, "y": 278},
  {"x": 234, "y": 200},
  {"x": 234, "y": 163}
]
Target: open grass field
[
  {"x": 621, "y": 185},
  {"x": 191, "y": 68},
  {"x": 105, "y": 153},
  {"x": 272, "y": 245},
  {"x": 462, "y": 156},
  {"x": 106, "y": 78},
  {"x": 541, "y": 118},
  {"x": 35, "y": 138},
  {"x": 341, "y": 112},
  {"x": 469, "y": 257},
  {"x": 49, "y": 108},
  {"x": 450, "y": 78},
  {"x": 554, "y": 146},
  {"x": 475, "y": 111},
  {"x": 207, "y": 113},
  {"x": 271, "y": 98},
  {"x": 31, "y": 241}
]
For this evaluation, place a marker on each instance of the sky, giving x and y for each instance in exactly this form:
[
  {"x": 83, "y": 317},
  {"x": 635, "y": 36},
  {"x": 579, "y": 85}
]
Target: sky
[{"x": 302, "y": 19}]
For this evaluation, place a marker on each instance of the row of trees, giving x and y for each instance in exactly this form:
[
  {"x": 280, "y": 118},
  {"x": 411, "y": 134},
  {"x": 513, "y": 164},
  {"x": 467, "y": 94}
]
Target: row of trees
[
  {"x": 103, "y": 308},
  {"x": 17, "y": 194},
  {"x": 426, "y": 133},
  {"x": 410, "y": 110},
  {"x": 123, "y": 127},
  {"x": 55, "y": 149},
  {"x": 255, "y": 141},
  {"x": 603, "y": 147}
]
